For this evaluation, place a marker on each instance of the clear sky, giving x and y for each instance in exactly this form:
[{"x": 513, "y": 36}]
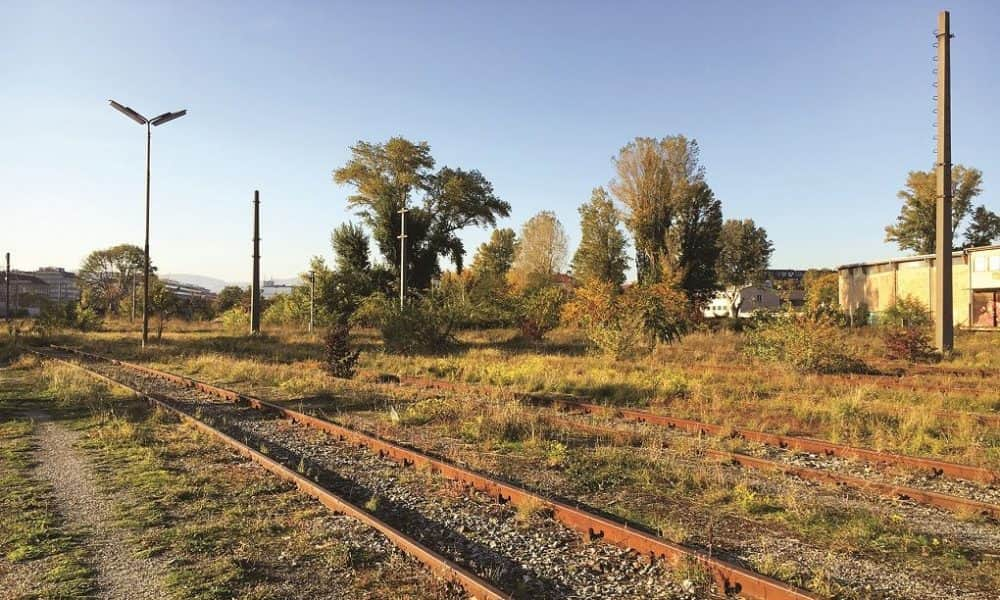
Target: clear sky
[{"x": 809, "y": 114}]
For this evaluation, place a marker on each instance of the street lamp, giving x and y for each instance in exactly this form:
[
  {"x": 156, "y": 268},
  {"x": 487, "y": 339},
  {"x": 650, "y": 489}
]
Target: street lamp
[{"x": 156, "y": 122}]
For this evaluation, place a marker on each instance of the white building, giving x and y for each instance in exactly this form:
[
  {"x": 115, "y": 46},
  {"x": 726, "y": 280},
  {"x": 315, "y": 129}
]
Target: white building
[{"x": 754, "y": 298}]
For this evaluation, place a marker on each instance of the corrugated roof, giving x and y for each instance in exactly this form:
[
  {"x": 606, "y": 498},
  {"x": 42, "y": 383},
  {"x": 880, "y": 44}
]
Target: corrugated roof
[{"x": 903, "y": 259}]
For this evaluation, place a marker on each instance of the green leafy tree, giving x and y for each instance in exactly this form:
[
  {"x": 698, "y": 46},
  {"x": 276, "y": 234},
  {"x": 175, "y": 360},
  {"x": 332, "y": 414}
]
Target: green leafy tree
[
  {"x": 350, "y": 248},
  {"x": 162, "y": 303},
  {"x": 744, "y": 253},
  {"x": 984, "y": 228},
  {"x": 105, "y": 277},
  {"x": 915, "y": 226},
  {"x": 672, "y": 213},
  {"x": 398, "y": 173},
  {"x": 230, "y": 296},
  {"x": 822, "y": 289},
  {"x": 541, "y": 253},
  {"x": 496, "y": 256},
  {"x": 601, "y": 254}
]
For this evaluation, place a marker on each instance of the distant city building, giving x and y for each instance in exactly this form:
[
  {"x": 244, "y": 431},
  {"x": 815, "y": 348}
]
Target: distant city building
[
  {"x": 765, "y": 297},
  {"x": 27, "y": 293},
  {"x": 62, "y": 284},
  {"x": 270, "y": 289},
  {"x": 975, "y": 285},
  {"x": 187, "y": 290}
]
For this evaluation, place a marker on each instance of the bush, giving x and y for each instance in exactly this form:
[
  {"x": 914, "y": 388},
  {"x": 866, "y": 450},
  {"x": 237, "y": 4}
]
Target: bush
[
  {"x": 813, "y": 345},
  {"x": 908, "y": 312},
  {"x": 236, "y": 320},
  {"x": 622, "y": 324},
  {"x": 338, "y": 358},
  {"x": 70, "y": 315},
  {"x": 539, "y": 311},
  {"x": 425, "y": 323},
  {"x": 912, "y": 344}
]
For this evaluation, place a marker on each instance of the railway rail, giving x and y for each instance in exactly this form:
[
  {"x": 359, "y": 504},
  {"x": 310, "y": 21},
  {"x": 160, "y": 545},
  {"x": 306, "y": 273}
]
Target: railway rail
[
  {"x": 729, "y": 578},
  {"x": 934, "y": 467}
]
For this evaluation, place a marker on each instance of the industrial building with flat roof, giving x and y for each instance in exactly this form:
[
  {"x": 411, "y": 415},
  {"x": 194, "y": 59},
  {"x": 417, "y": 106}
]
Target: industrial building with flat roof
[{"x": 975, "y": 285}]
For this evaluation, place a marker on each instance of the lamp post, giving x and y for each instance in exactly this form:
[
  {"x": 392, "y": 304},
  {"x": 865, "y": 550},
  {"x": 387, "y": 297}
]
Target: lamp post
[{"x": 155, "y": 122}]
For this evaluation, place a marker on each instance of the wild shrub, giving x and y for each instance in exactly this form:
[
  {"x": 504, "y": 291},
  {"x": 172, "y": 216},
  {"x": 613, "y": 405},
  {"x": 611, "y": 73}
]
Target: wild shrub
[
  {"x": 539, "y": 311},
  {"x": 425, "y": 323},
  {"x": 339, "y": 359},
  {"x": 69, "y": 315},
  {"x": 908, "y": 312},
  {"x": 809, "y": 345},
  {"x": 235, "y": 320},
  {"x": 623, "y": 324},
  {"x": 911, "y": 344}
]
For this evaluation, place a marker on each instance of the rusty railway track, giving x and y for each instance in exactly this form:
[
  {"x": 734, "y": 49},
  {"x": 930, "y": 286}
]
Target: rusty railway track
[
  {"x": 730, "y": 578},
  {"x": 443, "y": 567},
  {"x": 806, "y": 444},
  {"x": 957, "y": 504}
]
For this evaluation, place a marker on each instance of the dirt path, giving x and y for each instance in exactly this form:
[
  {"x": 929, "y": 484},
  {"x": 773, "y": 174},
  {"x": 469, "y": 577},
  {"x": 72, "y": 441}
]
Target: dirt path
[{"x": 120, "y": 575}]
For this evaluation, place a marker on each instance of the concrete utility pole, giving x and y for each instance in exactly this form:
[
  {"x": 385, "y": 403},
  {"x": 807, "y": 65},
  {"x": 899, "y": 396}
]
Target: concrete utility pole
[
  {"x": 6, "y": 298},
  {"x": 944, "y": 334},
  {"x": 312, "y": 299},
  {"x": 402, "y": 257},
  {"x": 255, "y": 298},
  {"x": 132, "y": 318}
]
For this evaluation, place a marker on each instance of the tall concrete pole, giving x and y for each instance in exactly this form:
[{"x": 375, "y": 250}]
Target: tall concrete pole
[
  {"x": 6, "y": 298},
  {"x": 255, "y": 298},
  {"x": 312, "y": 299},
  {"x": 402, "y": 257},
  {"x": 944, "y": 334}
]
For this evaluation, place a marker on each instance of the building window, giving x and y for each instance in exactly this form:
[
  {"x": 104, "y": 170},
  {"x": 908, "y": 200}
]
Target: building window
[
  {"x": 759, "y": 298},
  {"x": 979, "y": 264},
  {"x": 995, "y": 263}
]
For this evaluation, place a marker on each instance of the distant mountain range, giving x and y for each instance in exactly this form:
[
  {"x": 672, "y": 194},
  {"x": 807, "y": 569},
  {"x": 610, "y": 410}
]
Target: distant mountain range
[{"x": 216, "y": 285}]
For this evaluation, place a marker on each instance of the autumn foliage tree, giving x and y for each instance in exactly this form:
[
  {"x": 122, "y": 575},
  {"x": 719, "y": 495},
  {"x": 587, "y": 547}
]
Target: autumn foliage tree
[
  {"x": 744, "y": 253},
  {"x": 541, "y": 252},
  {"x": 106, "y": 276}
]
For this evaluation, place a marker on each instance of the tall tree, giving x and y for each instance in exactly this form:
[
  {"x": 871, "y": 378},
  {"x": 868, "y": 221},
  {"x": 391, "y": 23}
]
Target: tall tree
[
  {"x": 350, "y": 248},
  {"x": 672, "y": 213},
  {"x": 983, "y": 229},
  {"x": 915, "y": 226},
  {"x": 496, "y": 256},
  {"x": 398, "y": 173},
  {"x": 106, "y": 276},
  {"x": 601, "y": 254},
  {"x": 744, "y": 253},
  {"x": 541, "y": 253}
]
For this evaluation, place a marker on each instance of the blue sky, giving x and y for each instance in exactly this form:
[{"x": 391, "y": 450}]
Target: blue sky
[{"x": 808, "y": 114}]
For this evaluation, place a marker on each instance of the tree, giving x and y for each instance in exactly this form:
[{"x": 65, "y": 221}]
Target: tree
[
  {"x": 672, "y": 213},
  {"x": 917, "y": 221},
  {"x": 106, "y": 276},
  {"x": 541, "y": 254},
  {"x": 983, "y": 229},
  {"x": 162, "y": 303},
  {"x": 496, "y": 256},
  {"x": 230, "y": 296},
  {"x": 390, "y": 176},
  {"x": 350, "y": 248},
  {"x": 601, "y": 254},
  {"x": 744, "y": 253},
  {"x": 822, "y": 289}
]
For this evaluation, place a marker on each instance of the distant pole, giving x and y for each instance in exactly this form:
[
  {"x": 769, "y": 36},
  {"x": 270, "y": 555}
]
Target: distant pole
[
  {"x": 944, "y": 334},
  {"x": 402, "y": 257},
  {"x": 6, "y": 298},
  {"x": 255, "y": 298},
  {"x": 145, "y": 252},
  {"x": 132, "y": 318},
  {"x": 312, "y": 299}
]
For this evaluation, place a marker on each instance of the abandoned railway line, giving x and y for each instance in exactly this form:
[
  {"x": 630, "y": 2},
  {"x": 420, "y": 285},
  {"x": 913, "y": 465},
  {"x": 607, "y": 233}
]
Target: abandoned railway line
[{"x": 461, "y": 532}]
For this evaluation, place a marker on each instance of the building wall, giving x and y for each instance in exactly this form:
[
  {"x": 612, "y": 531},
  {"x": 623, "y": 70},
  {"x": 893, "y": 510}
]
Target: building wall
[{"x": 878, "y": 285}]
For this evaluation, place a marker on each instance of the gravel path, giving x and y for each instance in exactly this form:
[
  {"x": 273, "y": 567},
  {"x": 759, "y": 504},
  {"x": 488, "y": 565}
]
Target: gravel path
[{"x": 120, "y": 574}]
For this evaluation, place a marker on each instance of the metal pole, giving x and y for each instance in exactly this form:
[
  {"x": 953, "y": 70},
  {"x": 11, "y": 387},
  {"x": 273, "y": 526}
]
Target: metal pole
[
  {"x": 312, "y": 299},
  {"x": 944, "y": 333},
  {"x": 402, "y": 257},
  {"x": 145, "y": 254},
  {"x": 255, "y": 283}
]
